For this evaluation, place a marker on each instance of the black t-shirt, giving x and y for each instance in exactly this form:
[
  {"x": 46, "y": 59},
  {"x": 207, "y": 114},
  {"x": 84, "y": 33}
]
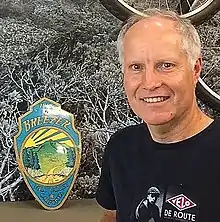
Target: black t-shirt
[{"x": 141, "y": 178}]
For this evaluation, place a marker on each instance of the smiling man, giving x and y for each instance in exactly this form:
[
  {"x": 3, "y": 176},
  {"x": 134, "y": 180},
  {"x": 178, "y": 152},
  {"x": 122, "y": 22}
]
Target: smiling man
[{"x": 174, "y": 149}]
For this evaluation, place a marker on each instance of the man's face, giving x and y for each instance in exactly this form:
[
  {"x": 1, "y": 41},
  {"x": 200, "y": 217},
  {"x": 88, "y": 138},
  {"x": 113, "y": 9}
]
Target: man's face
[
  {"x": 158, "y": 79},
  {"x": 151, "y": 198}
]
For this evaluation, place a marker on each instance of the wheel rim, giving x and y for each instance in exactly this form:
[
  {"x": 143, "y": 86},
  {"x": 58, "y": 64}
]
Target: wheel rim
[
  {"x": 210, "y": 79},
  {"x": 208, "y": 89},
  {"x": 197, "y": 10},
  {"x": 196, "y": 6}
]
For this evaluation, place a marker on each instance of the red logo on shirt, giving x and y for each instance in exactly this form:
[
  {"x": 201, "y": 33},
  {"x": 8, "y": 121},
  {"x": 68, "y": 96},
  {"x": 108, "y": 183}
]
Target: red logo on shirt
[{"x": 181, "y": 202}]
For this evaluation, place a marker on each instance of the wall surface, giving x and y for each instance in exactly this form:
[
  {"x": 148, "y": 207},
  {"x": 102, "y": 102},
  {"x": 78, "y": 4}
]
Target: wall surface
[{"x": 65, "y": 50}]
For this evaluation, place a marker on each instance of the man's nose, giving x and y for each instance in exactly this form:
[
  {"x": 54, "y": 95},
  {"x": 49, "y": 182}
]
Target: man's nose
[{"x": 151, "y": 79}]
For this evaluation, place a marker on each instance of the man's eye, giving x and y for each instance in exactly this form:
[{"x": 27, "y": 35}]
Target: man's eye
[
  {"x": 166, "y": 65},
  {"x": 136, "y": 67}
]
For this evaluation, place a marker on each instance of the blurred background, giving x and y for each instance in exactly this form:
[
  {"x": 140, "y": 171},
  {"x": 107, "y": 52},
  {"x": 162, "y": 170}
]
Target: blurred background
[{"x": 65, "y": 50}]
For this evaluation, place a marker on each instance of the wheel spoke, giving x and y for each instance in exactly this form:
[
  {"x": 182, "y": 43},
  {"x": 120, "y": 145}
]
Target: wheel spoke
[
  {"x": 188, "y": 3},
  {"x": 194, "y": 3},
  {"x": 181, "y": 10},
  {"x": 150, "y": 3},
  {"x": 167, "y": 4},
  {"x": 216, "y": 83},
  {"x": 209, "y": 70}
]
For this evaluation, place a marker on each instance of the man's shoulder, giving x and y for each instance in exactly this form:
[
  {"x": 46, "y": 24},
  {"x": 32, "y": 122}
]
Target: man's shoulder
[
  {"x": 211, "y": 134},
  {"x": 129, "y": 132},
  {"x": 212, "y": 131},
  {"x": 127, "y": 136},
  {"x": 216, "y": 122}
]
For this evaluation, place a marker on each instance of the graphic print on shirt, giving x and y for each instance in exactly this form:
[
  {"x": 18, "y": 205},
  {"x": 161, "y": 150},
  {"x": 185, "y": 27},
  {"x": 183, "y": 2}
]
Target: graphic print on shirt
[
  {"x": 166, "y": 205},
  {"x": 148, "y": 209}
]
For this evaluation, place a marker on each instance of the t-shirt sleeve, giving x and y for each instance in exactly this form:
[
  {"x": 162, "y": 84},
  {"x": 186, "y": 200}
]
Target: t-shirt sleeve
[{"x": 105, "y": 194}]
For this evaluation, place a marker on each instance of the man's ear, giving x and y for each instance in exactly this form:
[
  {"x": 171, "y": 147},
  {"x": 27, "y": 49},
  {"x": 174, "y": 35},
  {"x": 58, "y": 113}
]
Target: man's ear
[{"x": 197, "y": 70}]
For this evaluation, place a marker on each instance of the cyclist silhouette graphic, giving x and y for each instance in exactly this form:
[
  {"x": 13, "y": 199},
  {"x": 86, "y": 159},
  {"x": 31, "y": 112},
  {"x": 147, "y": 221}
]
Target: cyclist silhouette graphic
[{"x": 147, "y": 210}]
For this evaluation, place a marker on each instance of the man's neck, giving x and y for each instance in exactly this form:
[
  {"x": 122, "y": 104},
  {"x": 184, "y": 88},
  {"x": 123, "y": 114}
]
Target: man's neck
[{"x": 193, "y": 122}]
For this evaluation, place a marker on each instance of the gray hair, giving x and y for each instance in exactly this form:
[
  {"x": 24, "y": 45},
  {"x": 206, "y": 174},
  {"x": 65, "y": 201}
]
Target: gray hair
[{"x": 190, "y": 37}]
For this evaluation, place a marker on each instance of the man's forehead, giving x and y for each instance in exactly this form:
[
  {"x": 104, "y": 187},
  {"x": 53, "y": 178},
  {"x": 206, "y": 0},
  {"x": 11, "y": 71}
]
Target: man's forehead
[
  {"x": 167, "y": 40},
  {"x": 150, "y": 33},
  {"x": 158, "y": 24}
]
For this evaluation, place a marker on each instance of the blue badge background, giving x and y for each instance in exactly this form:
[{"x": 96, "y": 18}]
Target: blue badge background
[{"x": 43, "y": 192}]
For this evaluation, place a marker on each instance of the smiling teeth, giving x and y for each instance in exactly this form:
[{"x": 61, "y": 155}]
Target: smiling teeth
[{"x": 155, "y": 99}]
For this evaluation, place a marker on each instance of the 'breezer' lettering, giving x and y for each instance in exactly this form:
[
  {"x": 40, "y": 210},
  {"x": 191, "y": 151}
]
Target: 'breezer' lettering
[{"x": 28, "y": 124}]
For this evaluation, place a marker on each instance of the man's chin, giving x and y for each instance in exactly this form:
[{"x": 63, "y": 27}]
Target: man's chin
[{"x": 157, "y": 121}]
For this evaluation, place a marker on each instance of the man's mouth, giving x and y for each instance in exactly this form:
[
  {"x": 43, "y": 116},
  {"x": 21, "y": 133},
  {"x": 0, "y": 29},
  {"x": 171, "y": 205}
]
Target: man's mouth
[{"x": 155, "y": 99}]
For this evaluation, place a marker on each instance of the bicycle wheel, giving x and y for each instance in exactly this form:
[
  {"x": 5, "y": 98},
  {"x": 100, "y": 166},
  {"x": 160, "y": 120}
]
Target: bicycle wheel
[
  {"x": 208, "y": 87},
  {"x": 207, "y": 95},
  {"x": 196, "y": 10}
]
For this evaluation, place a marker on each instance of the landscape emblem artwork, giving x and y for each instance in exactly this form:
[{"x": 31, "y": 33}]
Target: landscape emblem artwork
[{"x": 48, "y": 152}]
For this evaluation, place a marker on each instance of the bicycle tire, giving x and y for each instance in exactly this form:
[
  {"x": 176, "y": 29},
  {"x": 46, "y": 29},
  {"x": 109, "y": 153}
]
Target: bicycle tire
[
  {"x": 207, "y": 95},
  {"x": 123, "y": 13}
]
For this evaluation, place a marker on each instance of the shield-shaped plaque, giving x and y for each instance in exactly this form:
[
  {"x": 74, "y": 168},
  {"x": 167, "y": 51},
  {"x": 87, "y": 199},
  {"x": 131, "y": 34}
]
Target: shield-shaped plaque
[{"x": 48, "y": 152}]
